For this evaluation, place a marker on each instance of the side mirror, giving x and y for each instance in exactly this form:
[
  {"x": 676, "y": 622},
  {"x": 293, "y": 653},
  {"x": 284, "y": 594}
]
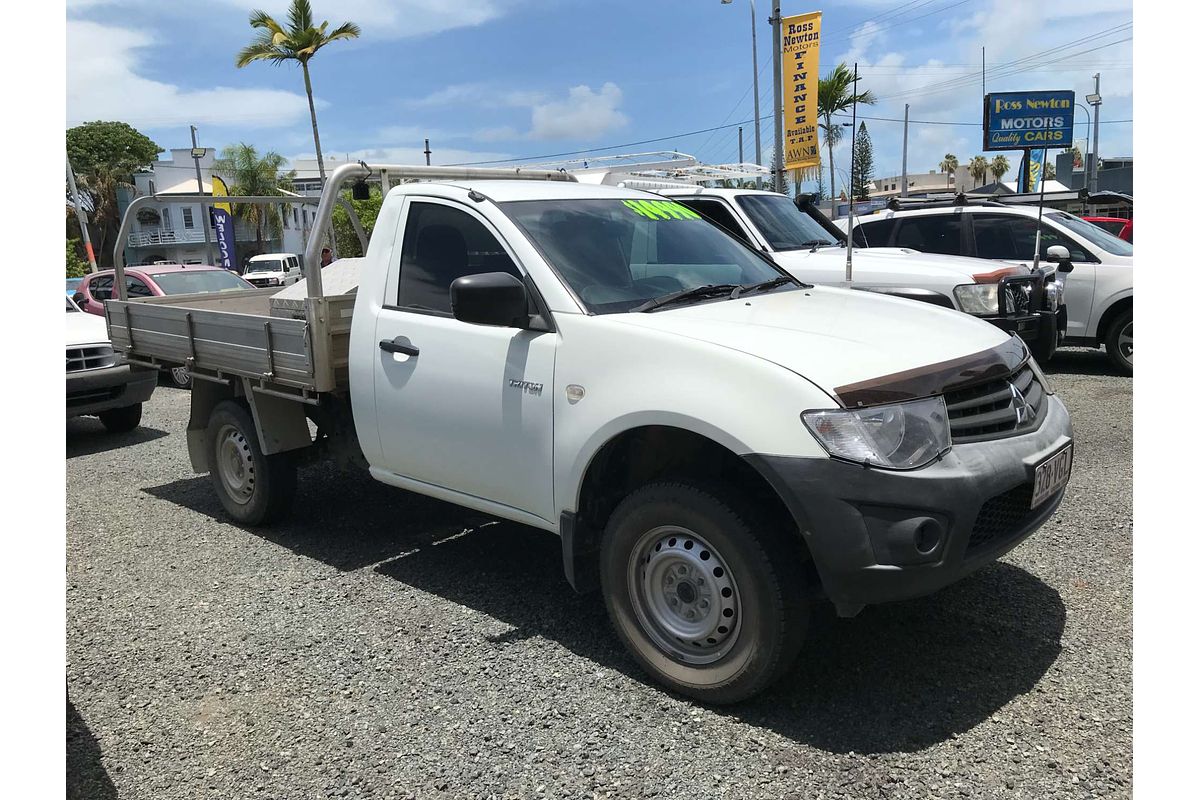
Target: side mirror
[
  {"x": 1057, "y": 254},
  {"x": 490, "y": 298},
  {"x": 79, "y": 299}
]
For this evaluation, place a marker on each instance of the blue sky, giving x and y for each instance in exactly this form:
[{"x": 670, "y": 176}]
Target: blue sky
[{"x": 495, "y": 79}]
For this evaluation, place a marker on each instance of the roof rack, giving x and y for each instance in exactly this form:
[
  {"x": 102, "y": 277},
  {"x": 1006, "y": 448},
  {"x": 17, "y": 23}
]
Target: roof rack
[
  {"x": 654, "y": 170},
  {"x": 939, "y": 201}
]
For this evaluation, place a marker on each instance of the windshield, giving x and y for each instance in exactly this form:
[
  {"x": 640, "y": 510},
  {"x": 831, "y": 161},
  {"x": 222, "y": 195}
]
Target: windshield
[
  {"x": 266, "y": 265},
  {"x": 1096, "y": 235},
  {"x": 192, "y": 281},
  {"x": 618, "y": 254},
  {"x": 783, "y": 225}
]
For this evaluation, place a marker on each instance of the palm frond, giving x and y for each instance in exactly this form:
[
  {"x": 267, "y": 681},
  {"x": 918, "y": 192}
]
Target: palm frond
[
  {"x": 300, "y": 15},
  {"x": 347, "y": 30}
]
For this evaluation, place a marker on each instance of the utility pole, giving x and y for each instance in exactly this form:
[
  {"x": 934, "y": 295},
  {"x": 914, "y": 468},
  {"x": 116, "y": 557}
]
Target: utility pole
[
  {"x": 777, "y": 36},
  {"x": 741, "y": 159},
  {"x": 1094, "y": 182},
  {"x": 904, "y": 157},
  {"x": 428, "y": 152},
  {"x": 757, "y": 121},
  {"x": 850, "y": 221},
  {"x": 82, "y": 217},
  {"x": 205, "y": 210}
]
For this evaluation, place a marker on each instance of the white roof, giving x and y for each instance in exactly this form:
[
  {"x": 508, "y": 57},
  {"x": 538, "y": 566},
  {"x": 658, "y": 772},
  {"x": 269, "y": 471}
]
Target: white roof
[
  {"x": 719, "y": 192},
  {"x": 266, "y": 256},
  {"x": 187, "y": 186},
  {"x": 503, "y": 191}
]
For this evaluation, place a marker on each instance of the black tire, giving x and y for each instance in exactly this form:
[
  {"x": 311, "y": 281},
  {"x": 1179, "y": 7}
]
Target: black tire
[
  {"x": 122, "y": 420},
  {"x": 771, "y": 615},
  {"x": 255, "y": 489},
  {"x": 1044, "y": 348},
  {"x": 179, "y": 378},
  {"x": 1118, "y": 342}
]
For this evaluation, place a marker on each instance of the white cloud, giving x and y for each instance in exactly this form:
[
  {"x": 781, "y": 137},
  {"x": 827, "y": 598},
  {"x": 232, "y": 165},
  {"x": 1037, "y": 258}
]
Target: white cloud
[
  {"x": 585, "y": 114},
  {"x": 103, "y": 83}
]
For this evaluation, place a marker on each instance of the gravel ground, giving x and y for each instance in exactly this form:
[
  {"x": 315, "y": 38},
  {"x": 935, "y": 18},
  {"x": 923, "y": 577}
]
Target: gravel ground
[{"x": 388, "y": 645}]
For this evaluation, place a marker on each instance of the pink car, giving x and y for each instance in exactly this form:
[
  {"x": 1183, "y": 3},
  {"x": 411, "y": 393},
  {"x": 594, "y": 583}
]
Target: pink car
[{"x": 156, "y": 280}]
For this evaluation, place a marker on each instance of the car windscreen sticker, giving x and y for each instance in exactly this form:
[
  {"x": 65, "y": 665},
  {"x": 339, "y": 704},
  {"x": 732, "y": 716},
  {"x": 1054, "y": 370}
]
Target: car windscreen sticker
[{"x": 660, "y": 209}]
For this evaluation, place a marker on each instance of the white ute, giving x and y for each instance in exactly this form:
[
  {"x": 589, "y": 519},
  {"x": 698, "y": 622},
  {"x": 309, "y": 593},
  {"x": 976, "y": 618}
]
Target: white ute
[
  {"x": 273, "y": 269},
  {"x": 717, "y": 444},
  {"x": 97, "y": 384}
]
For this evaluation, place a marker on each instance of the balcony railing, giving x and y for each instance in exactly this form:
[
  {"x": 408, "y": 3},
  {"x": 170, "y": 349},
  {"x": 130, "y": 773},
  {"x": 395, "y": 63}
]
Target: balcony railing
[{"x": 154, "y": 238}]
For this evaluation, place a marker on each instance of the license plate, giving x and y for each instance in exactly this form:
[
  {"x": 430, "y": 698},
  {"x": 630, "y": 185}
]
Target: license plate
[{"x": 1051, "y": 475}]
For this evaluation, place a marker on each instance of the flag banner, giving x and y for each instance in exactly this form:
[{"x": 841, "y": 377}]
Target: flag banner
[
  {"x": 222, "y": 222},
  {"x": 801, "y": 43},
  {"x": 1034, "y": 173}
]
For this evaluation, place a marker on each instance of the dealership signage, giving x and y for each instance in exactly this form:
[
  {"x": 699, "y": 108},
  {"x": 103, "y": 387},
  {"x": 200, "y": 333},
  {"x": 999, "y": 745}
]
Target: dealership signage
[
  {"x": 801, "y": 44},
  {"x": 1025, "y": 120}
]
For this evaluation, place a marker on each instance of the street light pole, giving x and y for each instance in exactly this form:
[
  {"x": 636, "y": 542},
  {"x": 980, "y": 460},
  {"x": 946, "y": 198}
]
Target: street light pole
[
  {"x": 1094, "y": 184},
  {"x": 81, "y": 216},
  {"x": 777, "y": 56},
  {"x": 205, "y": 210},
  {"x": 754, "y": 55}
]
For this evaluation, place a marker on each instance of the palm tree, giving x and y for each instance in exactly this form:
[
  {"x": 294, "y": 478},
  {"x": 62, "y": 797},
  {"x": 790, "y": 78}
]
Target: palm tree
[
  {"x": 978, "y": 167},
  {"x": 948, "y": 165},
  {"x": 300, "y": 41},
  {"x": 998, "y": 167},
  {"x": 251, "y": 174},
  {"x": 835, "y": 93}
]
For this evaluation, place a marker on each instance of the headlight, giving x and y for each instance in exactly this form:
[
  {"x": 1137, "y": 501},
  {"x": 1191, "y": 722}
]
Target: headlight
[
  {"x": 899, "y": 436},
  {"x": 272, "y": 281},
  {"x": 1053, "y": 294},
  {"x": 978, "y": 298}
]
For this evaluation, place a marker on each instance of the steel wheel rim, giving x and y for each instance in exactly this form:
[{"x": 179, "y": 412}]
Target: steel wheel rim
[
  {"x": 1125, "y": 342},
  {"x": 684, "y": 595},
  {"x": 235, "y": 464},
  {"x": 180, "y": 376}
]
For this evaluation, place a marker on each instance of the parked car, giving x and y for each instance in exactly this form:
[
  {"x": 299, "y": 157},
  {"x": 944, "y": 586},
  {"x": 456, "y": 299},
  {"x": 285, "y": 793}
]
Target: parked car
[
  {"x": 157, "y": 280},
  {"x": 1117, "y": 226},
  {"x": 273, "y": 269},
  {"x": 809, "y": 246},
  {"x": 717, "y": 443},
  {"x": 97, "y": 385},
  {"x": 1098, "y": 291}
]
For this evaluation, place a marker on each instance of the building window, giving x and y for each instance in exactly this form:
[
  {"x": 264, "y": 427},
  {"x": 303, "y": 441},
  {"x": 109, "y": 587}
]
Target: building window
[
  {"x": 187, "y": 219},
  {"x": 296, "y": 216},
  {"x": 166, "y": 218},
  {"x": 286, "y": 216}
]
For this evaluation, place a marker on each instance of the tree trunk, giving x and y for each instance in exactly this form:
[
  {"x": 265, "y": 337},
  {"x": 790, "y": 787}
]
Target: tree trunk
[
  {"x": 312, "y": 111},
  {"x": 829, "y": 146}
]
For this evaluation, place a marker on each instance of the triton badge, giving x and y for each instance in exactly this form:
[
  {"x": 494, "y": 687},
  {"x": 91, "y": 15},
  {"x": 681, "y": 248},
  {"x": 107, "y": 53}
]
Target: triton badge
[{"x": 528, "y": 387}]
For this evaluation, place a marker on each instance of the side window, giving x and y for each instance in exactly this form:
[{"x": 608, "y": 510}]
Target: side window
[
  {"x": 1024, "y": 233},
  {"x": 994, "y": 237},
  {"x": 101, "y": 288},
  {"x": 936, "y": 233},
  {"x": 136, "y": 287},
  {"x": 874, "y": 234},
  {"x": 717, "y": 212},
  {"x": 442, "y": 244}
]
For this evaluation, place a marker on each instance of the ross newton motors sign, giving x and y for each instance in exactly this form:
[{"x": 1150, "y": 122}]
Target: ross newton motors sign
[{"x": 1026, "y": 120}]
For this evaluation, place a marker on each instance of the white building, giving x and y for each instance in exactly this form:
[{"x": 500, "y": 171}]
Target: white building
[{"x": 173, "y": 232}]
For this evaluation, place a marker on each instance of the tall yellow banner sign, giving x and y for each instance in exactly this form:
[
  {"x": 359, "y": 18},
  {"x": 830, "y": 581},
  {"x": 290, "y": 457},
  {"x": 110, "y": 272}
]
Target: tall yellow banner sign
[{"x": 801, "y": 37}]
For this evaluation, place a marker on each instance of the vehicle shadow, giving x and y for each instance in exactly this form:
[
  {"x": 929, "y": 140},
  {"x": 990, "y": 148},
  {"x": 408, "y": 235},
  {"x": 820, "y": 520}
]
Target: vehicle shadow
[
  {"x": 87, "y": 779},
  {"x": 898, "y": 678},
  {"x": 87, "y": 436},
  {"x": 1081, "y": 361}
]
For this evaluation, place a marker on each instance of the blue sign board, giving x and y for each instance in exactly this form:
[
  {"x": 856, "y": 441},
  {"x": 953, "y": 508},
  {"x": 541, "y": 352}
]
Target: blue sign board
[{"x": 1025, "y": 120}]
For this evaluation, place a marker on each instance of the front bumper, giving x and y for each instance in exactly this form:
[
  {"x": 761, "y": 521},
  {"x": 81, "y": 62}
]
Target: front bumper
[
  {"x": 1040, "y": 326},
  {"x": 880, "y": 535},
  {"x": 95, "y": 390}
]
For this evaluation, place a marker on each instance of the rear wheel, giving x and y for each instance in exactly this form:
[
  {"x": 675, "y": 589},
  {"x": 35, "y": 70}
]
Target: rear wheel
[
  {"x": 1118, "y": 343},
  {"x": 122, "y": 420},
  {"x": 702, "y": 593},
  {"x": 180, "y": 378},
  {"x": 254, "y": 488}
]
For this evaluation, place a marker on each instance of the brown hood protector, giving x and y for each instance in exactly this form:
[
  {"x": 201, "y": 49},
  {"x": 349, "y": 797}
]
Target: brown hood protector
[{"x": 934, "y": 379}]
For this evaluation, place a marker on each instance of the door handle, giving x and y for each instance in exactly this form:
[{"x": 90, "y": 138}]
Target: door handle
[{"x": 399, "y": 345}]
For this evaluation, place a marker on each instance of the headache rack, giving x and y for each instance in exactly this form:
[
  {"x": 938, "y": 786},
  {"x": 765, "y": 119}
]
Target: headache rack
[{"x": 292, "y": 348}]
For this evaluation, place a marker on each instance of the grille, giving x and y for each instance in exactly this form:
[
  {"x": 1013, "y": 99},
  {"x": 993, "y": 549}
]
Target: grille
[
  {"x": 75, "y": 399},
  {"x": 998, "y": 408},
  {"x": 1018, "y": 296},
  {"x": 93, "y": 356},
  {"x": 1003, "y": 517}
]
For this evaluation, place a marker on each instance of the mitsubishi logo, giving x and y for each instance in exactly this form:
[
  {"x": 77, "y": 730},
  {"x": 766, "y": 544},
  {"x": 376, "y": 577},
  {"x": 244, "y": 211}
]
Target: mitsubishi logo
[{"x": 1019, "y": 404}]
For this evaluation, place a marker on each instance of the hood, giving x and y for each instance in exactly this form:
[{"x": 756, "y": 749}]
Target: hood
[
  {"x": 833, "y": 337},
  {"x": 84, "y": 328},
  {"x": 885, "y": 265}
]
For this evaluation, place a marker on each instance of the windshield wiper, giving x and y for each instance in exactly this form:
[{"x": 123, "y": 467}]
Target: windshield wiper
[
  {"x": 765, "y": 286},
  {"x": 698, "y": 292}
]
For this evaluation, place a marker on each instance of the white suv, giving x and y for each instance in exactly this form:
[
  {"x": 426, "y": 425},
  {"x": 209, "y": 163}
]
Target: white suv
[{"x": 1098, "y": 290}]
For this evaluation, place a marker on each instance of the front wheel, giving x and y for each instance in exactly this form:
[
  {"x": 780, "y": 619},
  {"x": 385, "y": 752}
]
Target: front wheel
[
  {"x": 122, "y": 420},
  {"x": 1118, "y": 344},
  {"x": 703, "y": 594},
  {"x": 254, "y": 488}
]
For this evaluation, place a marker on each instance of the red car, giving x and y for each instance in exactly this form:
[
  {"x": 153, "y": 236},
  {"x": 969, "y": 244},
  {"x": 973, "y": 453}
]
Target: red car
[
  {"x": 156, "y": 280},
  {"x": 1121, "y": 228}
]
